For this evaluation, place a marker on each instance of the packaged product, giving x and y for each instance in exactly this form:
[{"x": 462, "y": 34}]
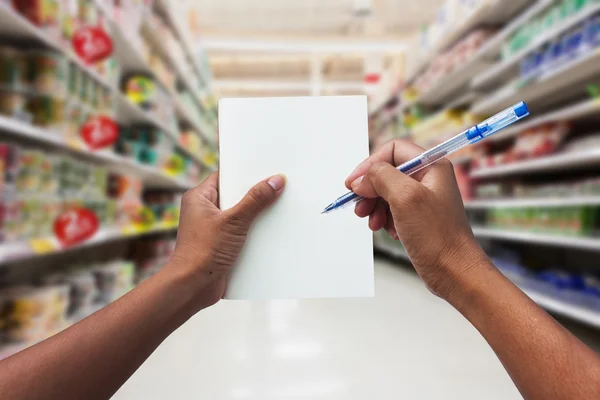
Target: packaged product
[
  {"x": 13, "y": 68},
  {"x": 40, "y": 12},
  {"x": 48, "y": 72}
]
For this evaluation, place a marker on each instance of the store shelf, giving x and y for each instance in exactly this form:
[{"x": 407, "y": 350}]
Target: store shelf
[
  {"x": 15, "y": 26},
  {"x": 493, "y": 47},
  {"x": 582, "y": 159},
  {"x": 390, "y": 249},
  {"x": 492, "y": 12},
  {"x": 449, "y": 85},
  {"x": 570, "y": 112},
  {"x": 585, "y": 243},
  {"x": 559, "y": 307},
  {"x": 543, "y": 87},
  {"x": 534, "y": 202},
  {"x": 20, "y": 251},
  {"x": 183, "y": 37},
  {"x": 510, "y": 66},
  {"x": 151, "y": 175}
]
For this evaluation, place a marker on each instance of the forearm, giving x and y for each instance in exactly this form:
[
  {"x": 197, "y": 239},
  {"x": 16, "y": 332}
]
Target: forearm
[
  {"x": 93, "y": 358},
  {"x": 543, "y": 359}
]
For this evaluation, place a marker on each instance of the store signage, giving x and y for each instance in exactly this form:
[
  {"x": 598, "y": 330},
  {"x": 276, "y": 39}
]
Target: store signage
[
  {"x": 92, "y": 44},
  {"x": 75, "y": 226},
  {"x": 99, "y": 132}
]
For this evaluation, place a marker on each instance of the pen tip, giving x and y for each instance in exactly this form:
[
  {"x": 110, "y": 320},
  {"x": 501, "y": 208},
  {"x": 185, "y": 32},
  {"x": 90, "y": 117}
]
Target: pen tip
[{"x": 327, "y": 209}]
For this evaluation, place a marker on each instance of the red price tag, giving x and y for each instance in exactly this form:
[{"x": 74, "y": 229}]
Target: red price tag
[
  {"x": 76, "y": 226},
  {"x": 92, "y": 44},
  {"x": 99, "y": 132}
]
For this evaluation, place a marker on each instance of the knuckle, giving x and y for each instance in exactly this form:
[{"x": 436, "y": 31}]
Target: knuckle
[
  {"x": 258, "y": 194},
  {"x": 186, "y": 198},
  {"x": 445, "y": 164}
]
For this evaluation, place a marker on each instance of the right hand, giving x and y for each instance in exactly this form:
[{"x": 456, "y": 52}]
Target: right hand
[{"x": 424, "y": 211}]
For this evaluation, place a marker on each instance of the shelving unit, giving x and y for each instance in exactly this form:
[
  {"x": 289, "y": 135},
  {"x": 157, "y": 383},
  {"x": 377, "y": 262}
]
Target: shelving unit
[
  {"x": 27, "y": 250},
  {"x": 539, "y": 238},
  {"x": 485, "y": 84},
  {"x": 586, "y": 108},
  {"x": 506, "y": 67},
  {"x": 152, "y": 176},
  {"x": 12, "y": 23},
  {"x": 565, "y": 309},
  {"x": 536, "y": 91},
  {"x": 582, "y": 159},
  {"x": 534, "y": 202}
]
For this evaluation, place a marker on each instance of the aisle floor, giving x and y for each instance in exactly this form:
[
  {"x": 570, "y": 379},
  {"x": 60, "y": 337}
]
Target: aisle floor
[{"x": 403, "y": 344}]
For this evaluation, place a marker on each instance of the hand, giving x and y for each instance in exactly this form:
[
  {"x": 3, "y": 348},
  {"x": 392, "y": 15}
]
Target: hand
[
  {"x": 424, "y": 211},
  {"x": 210, "y": 240}
]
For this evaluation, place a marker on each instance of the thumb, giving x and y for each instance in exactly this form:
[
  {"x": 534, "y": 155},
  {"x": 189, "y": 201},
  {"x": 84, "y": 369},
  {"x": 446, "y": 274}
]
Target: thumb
[{"x": 259, "y": 198}]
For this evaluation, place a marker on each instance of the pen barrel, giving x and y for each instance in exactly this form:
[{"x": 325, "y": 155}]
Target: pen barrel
[{"x": 433, "y": 155}]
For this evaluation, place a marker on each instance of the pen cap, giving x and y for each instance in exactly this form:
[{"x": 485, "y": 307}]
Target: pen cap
[{"x": 503, "y": 119}]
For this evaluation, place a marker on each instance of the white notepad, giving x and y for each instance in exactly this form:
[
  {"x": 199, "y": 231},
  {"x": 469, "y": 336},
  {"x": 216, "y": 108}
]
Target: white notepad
[{"x": 293, "y": 251}]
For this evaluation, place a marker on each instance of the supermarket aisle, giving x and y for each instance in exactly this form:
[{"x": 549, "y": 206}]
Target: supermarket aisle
[{"x": 405, "y": 343}]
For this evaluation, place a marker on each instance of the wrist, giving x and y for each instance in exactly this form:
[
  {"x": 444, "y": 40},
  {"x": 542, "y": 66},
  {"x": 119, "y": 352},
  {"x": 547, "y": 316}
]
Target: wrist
[
  {"x": 471, "y": 280},
  {"x": 461, "y": 266},
  {"x": 189, "y": 281}
]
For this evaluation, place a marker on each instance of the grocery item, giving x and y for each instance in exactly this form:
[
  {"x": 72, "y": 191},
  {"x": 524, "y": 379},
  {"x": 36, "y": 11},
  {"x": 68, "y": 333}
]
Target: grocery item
[{"x": 577, "y": 220}]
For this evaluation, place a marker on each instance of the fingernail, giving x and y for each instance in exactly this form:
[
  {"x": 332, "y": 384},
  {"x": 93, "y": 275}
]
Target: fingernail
[
  {"x": 392, "y": 233},
  {"x": 277, "y": 182},
  {"x": 356, "y": 182}
]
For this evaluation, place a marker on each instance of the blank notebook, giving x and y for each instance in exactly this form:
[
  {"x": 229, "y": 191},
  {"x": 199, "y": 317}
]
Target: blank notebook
[{"x": 293, "y": 251}]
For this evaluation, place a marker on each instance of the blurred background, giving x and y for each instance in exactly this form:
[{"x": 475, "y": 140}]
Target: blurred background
[{"x": 108, "y": 113}]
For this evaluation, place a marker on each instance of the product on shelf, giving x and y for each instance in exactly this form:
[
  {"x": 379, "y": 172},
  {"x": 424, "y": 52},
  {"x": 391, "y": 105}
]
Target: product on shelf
[
  {"x": 61, "y": 19},
  {"x": 29, "y": 313},
  {"x": 554, "y": 17},
  {"x": 531, "y": 143},
  {"x": 574, "y": 43},
  {"x": 576, "y": 220},
  {"x": 144, "y": 92},
  {"x": 449, "y": 61},
  {"x": 559, "y": 282},
  {"x": 150, "y": 256},
  {"x": 35, "y": 188}
]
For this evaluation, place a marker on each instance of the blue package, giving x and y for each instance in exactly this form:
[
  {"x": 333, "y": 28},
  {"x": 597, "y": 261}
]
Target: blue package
[
  {"x": 552, "y": 55},
  {"x": 572, "y": 43},
  {"x": 592, "y": 32}
]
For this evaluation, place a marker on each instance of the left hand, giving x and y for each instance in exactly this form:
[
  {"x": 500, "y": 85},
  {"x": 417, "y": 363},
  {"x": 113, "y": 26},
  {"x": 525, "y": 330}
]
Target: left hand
[{"x": 210, "y": 240}]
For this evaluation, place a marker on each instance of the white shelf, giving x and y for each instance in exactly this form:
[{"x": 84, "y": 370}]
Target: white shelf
[
  {"x": 20, "y": 251},
  {"x": 581, "y": 159},
  {"x": 506, "y": 67},
  {"x": 544, "y": 87},
  {"x": 574, "y": 311},
  {"x": 534, "y": 202},
  {"x": 490, "y": 13},
  {"x": 183, "y": 37},
  {"x": 152, "y": 176},
  {"x": 570, "y": 112},
  {"x": 538, "y": 238}
]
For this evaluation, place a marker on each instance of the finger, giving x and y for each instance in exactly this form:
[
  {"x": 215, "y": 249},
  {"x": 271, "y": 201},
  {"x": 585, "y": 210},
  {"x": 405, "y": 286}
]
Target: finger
[
  {"x": 392, "y": 185},
  {"x": 378, "y": 219},
  {"x": 259, "y": 198},
  {"x": 395, "y": 152},
  {"x": 390, "y": 227},
  {"x": 365, "y": 207},
  {"x": 209, "y": 189}
]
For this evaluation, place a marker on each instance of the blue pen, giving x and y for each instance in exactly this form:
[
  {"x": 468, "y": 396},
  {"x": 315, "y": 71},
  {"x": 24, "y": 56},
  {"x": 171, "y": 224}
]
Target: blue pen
[{"x": 470, "y": 136}]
